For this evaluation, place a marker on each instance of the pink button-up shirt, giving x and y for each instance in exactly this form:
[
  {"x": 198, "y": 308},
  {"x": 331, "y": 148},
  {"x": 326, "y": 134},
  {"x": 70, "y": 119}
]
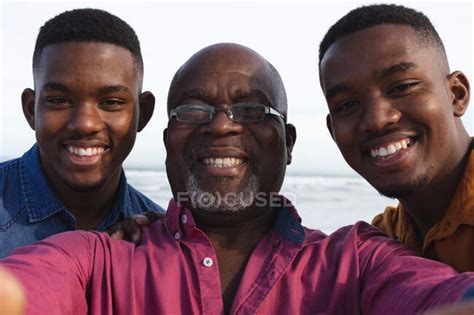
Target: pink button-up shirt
[{"x": 293, "y": 270}]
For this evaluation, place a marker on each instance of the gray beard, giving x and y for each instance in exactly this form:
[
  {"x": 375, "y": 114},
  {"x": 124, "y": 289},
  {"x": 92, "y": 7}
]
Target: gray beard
[{"x": 215, "y": 201}]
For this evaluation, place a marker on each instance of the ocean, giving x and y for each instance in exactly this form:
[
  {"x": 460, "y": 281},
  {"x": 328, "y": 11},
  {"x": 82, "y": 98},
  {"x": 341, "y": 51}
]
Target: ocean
[{"x": 324, "y": 202}]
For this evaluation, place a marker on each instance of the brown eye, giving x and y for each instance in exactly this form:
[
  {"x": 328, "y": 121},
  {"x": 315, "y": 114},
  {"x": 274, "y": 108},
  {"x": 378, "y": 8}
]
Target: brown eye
[
  {"x": 400, "y": 88},
  {"x": 58, "y": 102},
  {"x": 112, "y": 104},
  {"x": 346, "y": 107}
]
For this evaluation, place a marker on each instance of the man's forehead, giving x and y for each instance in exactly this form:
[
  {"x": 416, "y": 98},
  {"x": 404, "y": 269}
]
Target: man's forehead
[
  {"x": 375, "y": 51},
  {"x": 238, "y": 80},
  {"x": 384, "y": 37},
  {"x": 88, "y": 55}
]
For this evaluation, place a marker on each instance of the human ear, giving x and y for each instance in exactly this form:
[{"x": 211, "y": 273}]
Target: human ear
[
  {"x": 28, "y": 105},
  {"x": 146, "y": 107},
  {"x": 329, "y": 126},
  {"x": 290, "y": 134},
  {"x": 459, "y": 91}
]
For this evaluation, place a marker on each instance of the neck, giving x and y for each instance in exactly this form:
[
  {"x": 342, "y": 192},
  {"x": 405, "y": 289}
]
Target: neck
[
  {"x": 428, "y": 206},
  {"x": 89, "y": 208},
  {"x": 239, "y": 231}
]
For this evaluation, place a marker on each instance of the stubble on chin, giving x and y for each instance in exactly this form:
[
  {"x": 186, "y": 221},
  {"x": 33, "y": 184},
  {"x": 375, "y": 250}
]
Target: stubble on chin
[{"x": 405, "y": 190}]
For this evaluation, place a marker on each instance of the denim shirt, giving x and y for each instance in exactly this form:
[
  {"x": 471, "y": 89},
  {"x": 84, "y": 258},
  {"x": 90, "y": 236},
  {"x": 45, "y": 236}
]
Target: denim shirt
[{"x": 30, "y": 210}]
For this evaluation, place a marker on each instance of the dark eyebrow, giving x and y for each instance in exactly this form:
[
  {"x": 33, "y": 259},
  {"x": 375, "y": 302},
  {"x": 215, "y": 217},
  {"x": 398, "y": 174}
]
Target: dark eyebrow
[
  {"x": 196, "y": 94},
  {"x": 113, "y": 88},
  {"x": 103, "y": 90},
  {"x": 339, "y": 88},
  {"x": 56, "y": 86},
  {"x": 401, "y": 67}
]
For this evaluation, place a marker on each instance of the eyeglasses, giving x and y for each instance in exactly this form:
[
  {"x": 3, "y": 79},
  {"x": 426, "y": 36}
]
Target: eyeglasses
[{"x": 239, "y": 113}]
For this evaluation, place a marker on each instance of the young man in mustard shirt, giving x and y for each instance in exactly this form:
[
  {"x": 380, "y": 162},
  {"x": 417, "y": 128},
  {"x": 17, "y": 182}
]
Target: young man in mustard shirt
[{"x": 395, "y": 113}]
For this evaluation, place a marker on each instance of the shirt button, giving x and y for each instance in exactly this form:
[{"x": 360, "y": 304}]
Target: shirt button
[
  {"x": 184, "y": 219},
  {"x": 207, "y": 262},
  {"x": 177, "y": 236}
]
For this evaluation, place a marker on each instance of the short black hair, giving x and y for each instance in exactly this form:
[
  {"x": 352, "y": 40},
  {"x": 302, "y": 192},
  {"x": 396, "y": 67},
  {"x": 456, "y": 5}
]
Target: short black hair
[
  {"x": 372, "y": 15},
  {"x": 88, "y": 25}
]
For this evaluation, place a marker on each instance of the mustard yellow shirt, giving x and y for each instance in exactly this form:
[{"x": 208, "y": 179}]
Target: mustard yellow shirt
[{"x": 451, "y": 240}]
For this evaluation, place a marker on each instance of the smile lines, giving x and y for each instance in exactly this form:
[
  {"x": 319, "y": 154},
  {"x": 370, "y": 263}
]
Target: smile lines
[
  {"x": 81, "y": 152},
  {"x": 223, "y": 162},
  {"x": 390, "y": 149}
]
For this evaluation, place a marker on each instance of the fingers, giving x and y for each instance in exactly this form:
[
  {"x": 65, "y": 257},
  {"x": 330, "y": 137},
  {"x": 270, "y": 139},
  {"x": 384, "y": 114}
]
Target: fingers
[
  {"x": 129, "y": 228},
  {"x": 132, "y": 232},
  {"x": 142, "y": 219},
  {"x": 116, "y": 231},
  {"x": 153, "y": 215}
]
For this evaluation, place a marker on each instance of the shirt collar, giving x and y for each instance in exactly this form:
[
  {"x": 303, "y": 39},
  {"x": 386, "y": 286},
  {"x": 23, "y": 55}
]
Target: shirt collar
[
  {"x": 41, "y": 201},
  {"x": 288, "y": 223},
  {"x": 122, "y": 207},
  {"x": 461, "y": 208}
]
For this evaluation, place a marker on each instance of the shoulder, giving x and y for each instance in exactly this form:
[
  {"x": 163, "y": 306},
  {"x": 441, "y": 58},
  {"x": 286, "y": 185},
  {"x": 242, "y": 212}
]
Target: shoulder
[
  {"x": 80, "y": 246},
  {"x": 352, "y": 245},
  {"x": 9, "y": 166},
  {"x": 358, "y": 231},
  {"x": 387, "y": 220},
  {"x": 12, "y": 200},
  {"x": 10, "y": 181},
  {"x": 66, "y": 242},
  {"x": 142, "y": 203},
  {"x": 347, "y": 238}
]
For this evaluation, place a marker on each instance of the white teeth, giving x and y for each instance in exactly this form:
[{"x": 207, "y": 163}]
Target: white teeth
[
  {"x": 91, "y": 151},
  {"x": 390, "y": 149},
  {"x": 383, "y": 152},
  {"x": 222, "y": 162}
]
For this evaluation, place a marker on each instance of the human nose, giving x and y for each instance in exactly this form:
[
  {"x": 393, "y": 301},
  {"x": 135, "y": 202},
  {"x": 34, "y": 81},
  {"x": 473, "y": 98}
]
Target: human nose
[
  {"x": 85, "y": 118},
  {"x": 221, "y": 124},
  {"x": 377, "y": 114}
]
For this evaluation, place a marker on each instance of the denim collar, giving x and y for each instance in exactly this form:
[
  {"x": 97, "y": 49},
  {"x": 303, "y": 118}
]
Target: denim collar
[
  {"x": 41, "y": 201},
  {"x": 288, "y": 224}
]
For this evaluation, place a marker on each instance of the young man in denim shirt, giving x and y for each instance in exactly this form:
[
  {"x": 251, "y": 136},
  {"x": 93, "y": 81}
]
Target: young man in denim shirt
[{"x": 86, "y": 108}]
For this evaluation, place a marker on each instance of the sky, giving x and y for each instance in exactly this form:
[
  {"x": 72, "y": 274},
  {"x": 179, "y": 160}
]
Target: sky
[{"x": 285, "y": 33}]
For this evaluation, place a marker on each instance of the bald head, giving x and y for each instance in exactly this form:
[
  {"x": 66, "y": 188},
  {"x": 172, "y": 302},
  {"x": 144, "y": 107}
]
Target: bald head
[{"x": 228, "y": 61}]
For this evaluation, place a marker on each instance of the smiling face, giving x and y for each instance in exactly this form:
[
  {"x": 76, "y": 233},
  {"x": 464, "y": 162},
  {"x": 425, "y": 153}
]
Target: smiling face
[
  {"x": 85, "y": 112},
  {"x": 394, "y": 108},
  {"x": 223, "y": 159}
]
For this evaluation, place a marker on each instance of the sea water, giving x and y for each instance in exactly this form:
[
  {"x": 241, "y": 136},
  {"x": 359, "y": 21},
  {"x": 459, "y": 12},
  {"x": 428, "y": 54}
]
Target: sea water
[{"x": 323, "y": 202}]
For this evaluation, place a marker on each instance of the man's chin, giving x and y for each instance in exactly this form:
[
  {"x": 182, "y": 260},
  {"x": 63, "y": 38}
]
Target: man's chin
[
  {"x": 84, "y": 186},
  {"x": 402, "y": 190},
  {"x": 217, "y": 199}
]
